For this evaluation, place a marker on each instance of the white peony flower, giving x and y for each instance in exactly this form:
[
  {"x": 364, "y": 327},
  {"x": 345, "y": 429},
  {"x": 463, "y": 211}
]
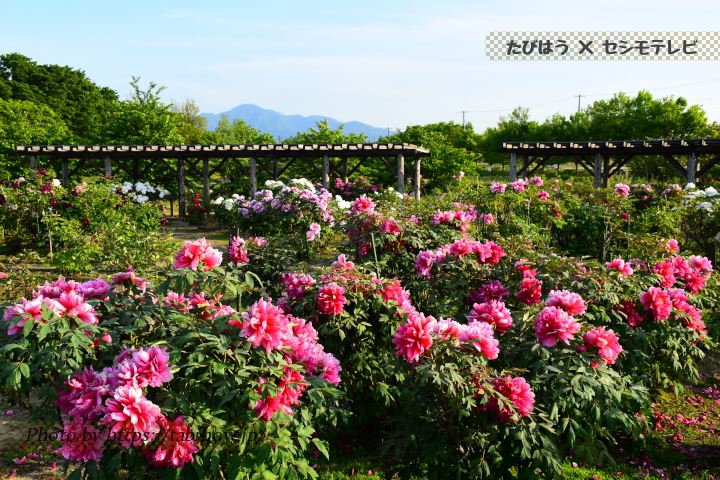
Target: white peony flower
[
  {"x": 689, "y": 186},
  {"x": 711, "y": 192},
  {"x": 56, "y": 182},
  {"x": 707, "y": 206}
]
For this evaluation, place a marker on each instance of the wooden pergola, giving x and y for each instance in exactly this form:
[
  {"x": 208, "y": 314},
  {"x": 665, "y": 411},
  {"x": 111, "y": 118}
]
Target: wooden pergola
[
  {"x": 275, "y": 159},
  {"x": 603, "y": 159}
]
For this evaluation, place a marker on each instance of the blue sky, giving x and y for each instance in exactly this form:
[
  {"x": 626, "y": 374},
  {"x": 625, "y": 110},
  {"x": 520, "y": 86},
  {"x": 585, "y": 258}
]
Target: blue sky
[{"x": 389, "y": 64}]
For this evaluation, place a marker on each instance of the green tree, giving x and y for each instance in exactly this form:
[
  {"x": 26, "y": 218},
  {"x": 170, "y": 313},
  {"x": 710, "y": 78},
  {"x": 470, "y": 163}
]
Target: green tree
[
  {"x": 80, "y": 103},
  {"x": 25, "y": 123},
  {"x": 193, "y": 127}
]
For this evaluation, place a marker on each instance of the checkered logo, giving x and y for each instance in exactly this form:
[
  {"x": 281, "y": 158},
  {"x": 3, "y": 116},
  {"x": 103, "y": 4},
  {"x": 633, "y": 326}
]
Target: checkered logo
[{"x": 623, "y": 46}]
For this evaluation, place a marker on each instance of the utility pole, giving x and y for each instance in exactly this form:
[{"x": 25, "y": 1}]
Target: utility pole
[
  {"x": 463, "y": 117},
  {"x": 579, "y": 97}
]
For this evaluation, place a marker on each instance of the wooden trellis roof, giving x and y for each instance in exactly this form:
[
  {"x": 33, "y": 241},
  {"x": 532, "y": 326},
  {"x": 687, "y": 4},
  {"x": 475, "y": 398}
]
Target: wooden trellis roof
[
  {"x": 277, "y": 150},
  {"x": 614, "y": 147}
]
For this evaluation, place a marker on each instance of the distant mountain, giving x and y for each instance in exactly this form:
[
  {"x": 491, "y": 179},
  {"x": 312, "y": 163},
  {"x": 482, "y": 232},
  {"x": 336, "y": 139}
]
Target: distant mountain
[{"x": 283, "y": 126}]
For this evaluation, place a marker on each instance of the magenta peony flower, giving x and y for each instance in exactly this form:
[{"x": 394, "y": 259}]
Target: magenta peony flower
[
  {"x": 672, "y": 246},
  {"x": 176, "y": 447},
  {"x": 492, "y": 290},
  {"x": 132, "y": 417},
  {"x": 178, "y": 301},
  {"x": 543, "y": 196},
  {"x": 58, "y": 287},
  {"x": 657, "y": 301},
  {"x": 330, "y": 368},
  {"x": 553, "y": 324},
  {"x": 81, "y": 442},
  {"x": 424, "y": 262},
  {"x": 633, "y": 318},
  {"x": 622, "y": 267},
  {"x": 291, "y": 388},
  {"x": 517, "y": 391},
  {"x": 480, "y": 335},
  {"x": 606, "y": 343},
  {"x": 497, "y": 187},
  {"x": 265, "y": 325},
  {"x": 97, "y": 288},
  {"x": 571, "y": 302},
  {"x": 448, "y": 329},
  {"x": 414, "y": 337},
  {"x": 390, "y": 227},
  {"x": 622, "y": 189},
  {"x": 493, "y": 312},
  {"x": 296, "y": 284},
  {"x": 153, "y": 365},
  {"x": 84, "y": 393},
  {"x": 537, "y": 181},
  {"x": 195, "y": 253},
  {"x": 331, "y": 299}
]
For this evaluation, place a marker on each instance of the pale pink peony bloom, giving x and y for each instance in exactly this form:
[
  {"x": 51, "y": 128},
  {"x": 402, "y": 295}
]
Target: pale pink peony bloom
[
  {"x": 657, "y": 301},
  {"x": 176, "y": 447},
  {"x": 448, "y": 329},
  {"x": 537, "y": 181},
  {"x": 195, "y": 253},
  {"x": 553, "y": 324},
  {"x": 571, "y": 302},
  {"x": 519, "y": 185},
  {"x": 19, "y": 313},
  {"x": 606, "y": 343},
  {"x": 621, "y": 266},
  {"x": 177, "y": 301},
  {"x": 518, "y": 392},
  {"x": 414, "y": 337},
  {"x": 313, "y": 231},
  {"x": 132, "y": 417},
  {"x": 130, "y": 279},
  {"x": 486, "y": 218},
  {"x": 331, "y": 299},
  {"x": 343, "y": 263},
  {"x": 329, "y": 367},
  {"x": 265, "y": 325},
  {"x": 622, "y": 189},
  {"x": 497, "y": 187},
  {"x": 81, "y": 442},
  {"x": 493, "y": 312},
  {"x": 480, "y": 336}
]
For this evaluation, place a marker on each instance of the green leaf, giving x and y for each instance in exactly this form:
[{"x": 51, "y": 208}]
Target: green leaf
[{"x": 322, "y": 447}]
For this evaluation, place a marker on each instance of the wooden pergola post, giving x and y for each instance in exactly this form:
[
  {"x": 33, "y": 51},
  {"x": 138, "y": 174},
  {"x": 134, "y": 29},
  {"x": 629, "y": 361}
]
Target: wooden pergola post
[
  {"x": 65, "y": 173},
  {"x": 33, "y": 162},
  {"x": 325, "y": 171},
  {"x": 181, "y": 187},
  {"x": 525, "y": 165},
  {"x": 400, "y": 173},
  {"x": 107, "y": 165},
  {"x": 206, "y": 179},
  {"x": 692, "y": 167},
  {"x": 345, "y": 169},
  {"x": 513, "y": 167},
  {"x": 253, "y": 176},
  {"x": 606, "y": 170},
  {"x": 417, "y": 179},
  {"x": 597, "y": 171}
]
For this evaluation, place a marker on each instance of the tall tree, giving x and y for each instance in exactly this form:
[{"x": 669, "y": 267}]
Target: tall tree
[{"x": 80, "y": 103}]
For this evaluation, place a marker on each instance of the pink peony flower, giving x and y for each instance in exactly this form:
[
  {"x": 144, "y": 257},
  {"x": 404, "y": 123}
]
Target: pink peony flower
[
  {"x": 657, "y": 301},
  {"x": 448, "y": 329},
  {"x": 571, "y": 302},
  {"x": 517, "y": 392},
  {"x": 672, "y": 246},
  {"x": 291, "y": 388},
  {"x": 486, "y": 218},
  {"x": 390, "y": 227},
  {"x": 331, "y": 299},
  {"x": 622, "y": 189},
  {"x": 176, "y": 447},
  {"x": 195, "y": 253},
  {"x": 237, "y": 253},
  {"x": 75, "y": 307},
  {"x": 414, "y": 337},
  {"x": 363, "y": 204},
  {"x": 343, "y": 263},
  {"x": 543, "y": 196},
  {"x": 297, "y": 283},
  {"x": 480, "y": 335},
  {"x": 493, "y": 312},
  {"x": 537, "y": 181},
  {"x": 57, "y": 288},
  {"x": 132, "y": 417},
  {"x": 313, "y": 231},
  {"x": 265, "y": 325},
  {"x": 553, "y": 324},
  {"x": 130, "y": 279},
  {"x": 81, "y": 442},
  {"x": 606, "y": 343},
  {"x": 177, "y": 301},
  {"x": 632, "y": 317},
  {"x": 622, "y": 267},
  {"x": 84, "y": 393},
  {"x": 19, "y": 313}
]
